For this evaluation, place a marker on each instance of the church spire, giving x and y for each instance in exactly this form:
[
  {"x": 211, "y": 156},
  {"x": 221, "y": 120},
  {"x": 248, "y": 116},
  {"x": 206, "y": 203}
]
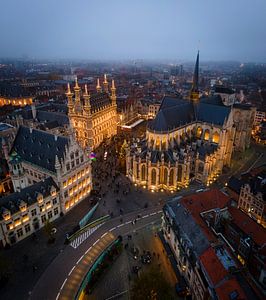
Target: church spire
[
  {"x": 77, "y": 92},
  {"x": 194, "y": 93},
  {"x": 69, "y": 95},
  {"x": 87, "y": 104},
  {"x": 98, "y": 87},
  {"x": 105, "y": 84},
  {"x": 113, "y": 93}
]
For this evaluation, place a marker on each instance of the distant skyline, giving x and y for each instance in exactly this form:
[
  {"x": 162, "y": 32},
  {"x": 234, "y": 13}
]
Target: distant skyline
[{"x": 139, "y": 29}]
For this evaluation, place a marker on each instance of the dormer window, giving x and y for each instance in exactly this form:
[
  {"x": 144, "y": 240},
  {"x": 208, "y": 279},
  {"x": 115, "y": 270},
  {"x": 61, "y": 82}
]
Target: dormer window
[
  {"x": 53, "y": 191},
  {"x": 23, "y": 206},
  {"x": 40, "y": 198},
  {"x": 6, "y": 215}
]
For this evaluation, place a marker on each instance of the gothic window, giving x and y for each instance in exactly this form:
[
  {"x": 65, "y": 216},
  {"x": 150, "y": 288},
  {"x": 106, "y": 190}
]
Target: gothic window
[
  {"x": 72, "y": 155},
  {"x": 206, "y": 134},
  {"x": 153, "y": 177},
  {"x": 143, "y": 172},
  {"x": 171, "y": 177},
  {"x": 165, "y": 175},
  {"x": 179, "y": 173},
  {"x": 199, "y": 132},
  {"x": 216, "y": 137},
  {"x": 77, "y": 153}
]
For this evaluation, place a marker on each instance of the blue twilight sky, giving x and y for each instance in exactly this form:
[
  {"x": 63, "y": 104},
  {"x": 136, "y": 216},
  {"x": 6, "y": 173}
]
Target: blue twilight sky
[{"x": 134, "y": 29}]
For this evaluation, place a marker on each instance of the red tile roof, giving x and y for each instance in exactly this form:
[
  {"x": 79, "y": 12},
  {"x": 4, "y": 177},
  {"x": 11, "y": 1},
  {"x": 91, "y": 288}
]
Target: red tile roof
[
  {"x": 213, "y": 267},
  {"x": 249, "y": 226},
  {"x": 224, "y": 290},
  {"x": 205, "y": 201}
]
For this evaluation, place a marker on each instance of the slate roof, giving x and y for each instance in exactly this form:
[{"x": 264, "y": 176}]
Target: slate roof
[
  {"x": 28, "y": 195},
  {"x": 175, "y": 112},
  {"x": 39, "y": 147},
  {"x": 223, "y": 90},
  {"x": 187, "y": 226},
  {"x": 248, "y": 226},
  {"x": 99, "y": 100}
]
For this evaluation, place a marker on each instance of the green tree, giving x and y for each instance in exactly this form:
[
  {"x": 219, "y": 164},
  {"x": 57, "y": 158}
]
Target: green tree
[
  {"x": 151, "y": 285},
  {"x": 48, "y": 229}
]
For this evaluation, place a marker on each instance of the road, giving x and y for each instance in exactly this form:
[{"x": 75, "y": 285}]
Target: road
[{"x": 62, "y": 278}]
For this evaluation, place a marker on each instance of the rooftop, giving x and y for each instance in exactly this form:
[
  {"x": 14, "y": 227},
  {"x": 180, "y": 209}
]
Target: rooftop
[
  {"x": 27, "y": 195},
  {"x": 248, "y": 226},
  {"x": 39, "y": 147}
]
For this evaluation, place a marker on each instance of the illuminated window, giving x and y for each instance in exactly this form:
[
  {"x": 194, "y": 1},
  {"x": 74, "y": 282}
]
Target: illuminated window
[
  {"x": 199, "y": 132},
  {"x": 206, "y": 134},
  {"x": 216, "y": 137},
  {"x": 171, "y": 177},
  {"x": 153, "y": 177}
]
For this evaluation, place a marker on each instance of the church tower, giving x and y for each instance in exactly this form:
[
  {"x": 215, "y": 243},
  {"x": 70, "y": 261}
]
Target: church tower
[{"x": 194, "y": 92}]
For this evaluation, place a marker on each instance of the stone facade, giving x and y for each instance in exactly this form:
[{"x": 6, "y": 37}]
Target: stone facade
[{"x": 94, "y": 117}]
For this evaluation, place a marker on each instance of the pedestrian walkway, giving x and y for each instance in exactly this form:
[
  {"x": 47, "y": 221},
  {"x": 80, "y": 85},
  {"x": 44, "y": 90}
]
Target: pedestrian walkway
[{"x": 80, "y": 239}]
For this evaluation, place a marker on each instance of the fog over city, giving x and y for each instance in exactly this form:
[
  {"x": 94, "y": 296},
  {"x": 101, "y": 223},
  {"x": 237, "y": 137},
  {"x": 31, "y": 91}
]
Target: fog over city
[{"x": 139, "y": 29}]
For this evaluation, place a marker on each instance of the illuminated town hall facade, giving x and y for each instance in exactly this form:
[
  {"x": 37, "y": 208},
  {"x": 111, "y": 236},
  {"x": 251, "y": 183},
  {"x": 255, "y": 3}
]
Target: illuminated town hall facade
[
  {"x": 189, "y": 139},
  {"x": 94, "y": 117}
]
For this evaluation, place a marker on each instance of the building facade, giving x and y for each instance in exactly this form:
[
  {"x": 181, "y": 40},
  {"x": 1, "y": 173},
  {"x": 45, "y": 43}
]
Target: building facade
[
  {"x": 189, "y": 140},
  {"x": 15, "y": 101},
  {"x": 22, "y": 213},
  {"x": 202, "y": 260},
  {"x": 36, "y": 155},
  {"x": 94, "y": 117}
]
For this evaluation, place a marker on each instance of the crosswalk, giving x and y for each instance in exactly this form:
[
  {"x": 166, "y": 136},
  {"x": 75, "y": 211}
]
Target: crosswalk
[{"x": 80, "y": 239}]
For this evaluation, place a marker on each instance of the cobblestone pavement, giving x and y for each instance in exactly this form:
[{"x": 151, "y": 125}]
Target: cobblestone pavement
[{"x": 120, "y": 276}]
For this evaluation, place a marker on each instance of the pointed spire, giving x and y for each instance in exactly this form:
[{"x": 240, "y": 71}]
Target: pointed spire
[
  {"x": 57, "y": 163},
  {"x": 105, "y": 84},
  {"x": 76, "y": 83},
  {"x": 68, "y": 88},
  {"x": 98, "y": 87},
  {"x": 113, "y": 84},
  {"x": 195, "y": 85},
  {"x": 194, "y": 92},
  {"x": 86, "y": 89}
]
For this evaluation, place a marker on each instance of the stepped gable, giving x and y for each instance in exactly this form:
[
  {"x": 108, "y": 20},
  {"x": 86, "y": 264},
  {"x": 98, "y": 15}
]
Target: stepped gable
[
  {"x": 39, "y": 147},
  {"x": 27, "y": 195}
]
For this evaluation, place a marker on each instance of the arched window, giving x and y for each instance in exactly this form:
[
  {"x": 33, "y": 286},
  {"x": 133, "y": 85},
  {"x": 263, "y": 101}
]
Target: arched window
[
  {"x": 179, "y": 173},
  {"x": 216, "y": 137},
  {"x": 206, "y": 134},
  {"x": 171, "y": 177},
  {"x": 157, "y": 143},
  {"x": 153, "y": 177},
  {"x": 165, "y": 175},
  {"x": 199, "y": 132},
  {"x": 143, "y": 172}
]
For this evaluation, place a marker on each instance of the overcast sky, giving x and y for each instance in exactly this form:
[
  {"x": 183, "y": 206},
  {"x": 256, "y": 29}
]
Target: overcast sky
[{"x": 134, "y": 29}]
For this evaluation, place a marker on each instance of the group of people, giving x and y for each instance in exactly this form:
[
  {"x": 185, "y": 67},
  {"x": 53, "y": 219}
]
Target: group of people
[{"x": 106, "y": 177}]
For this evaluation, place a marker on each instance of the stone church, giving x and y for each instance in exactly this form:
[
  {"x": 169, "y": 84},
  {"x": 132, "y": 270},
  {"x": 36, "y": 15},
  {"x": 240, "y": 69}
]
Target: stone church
[{"x": 189, "y": 139}]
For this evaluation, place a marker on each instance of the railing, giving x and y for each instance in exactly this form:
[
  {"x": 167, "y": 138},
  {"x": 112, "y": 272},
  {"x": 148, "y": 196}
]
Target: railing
[
  {"x": 100, "y": 258},
  {"x": 86, "y": 227}
]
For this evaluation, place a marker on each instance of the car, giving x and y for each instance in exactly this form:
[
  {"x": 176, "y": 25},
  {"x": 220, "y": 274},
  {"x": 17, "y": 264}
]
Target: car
[
  {"x": 135, "y": 269},
  {"x": 181, "y": 289},
  {"x": 146, "y": 258}
]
